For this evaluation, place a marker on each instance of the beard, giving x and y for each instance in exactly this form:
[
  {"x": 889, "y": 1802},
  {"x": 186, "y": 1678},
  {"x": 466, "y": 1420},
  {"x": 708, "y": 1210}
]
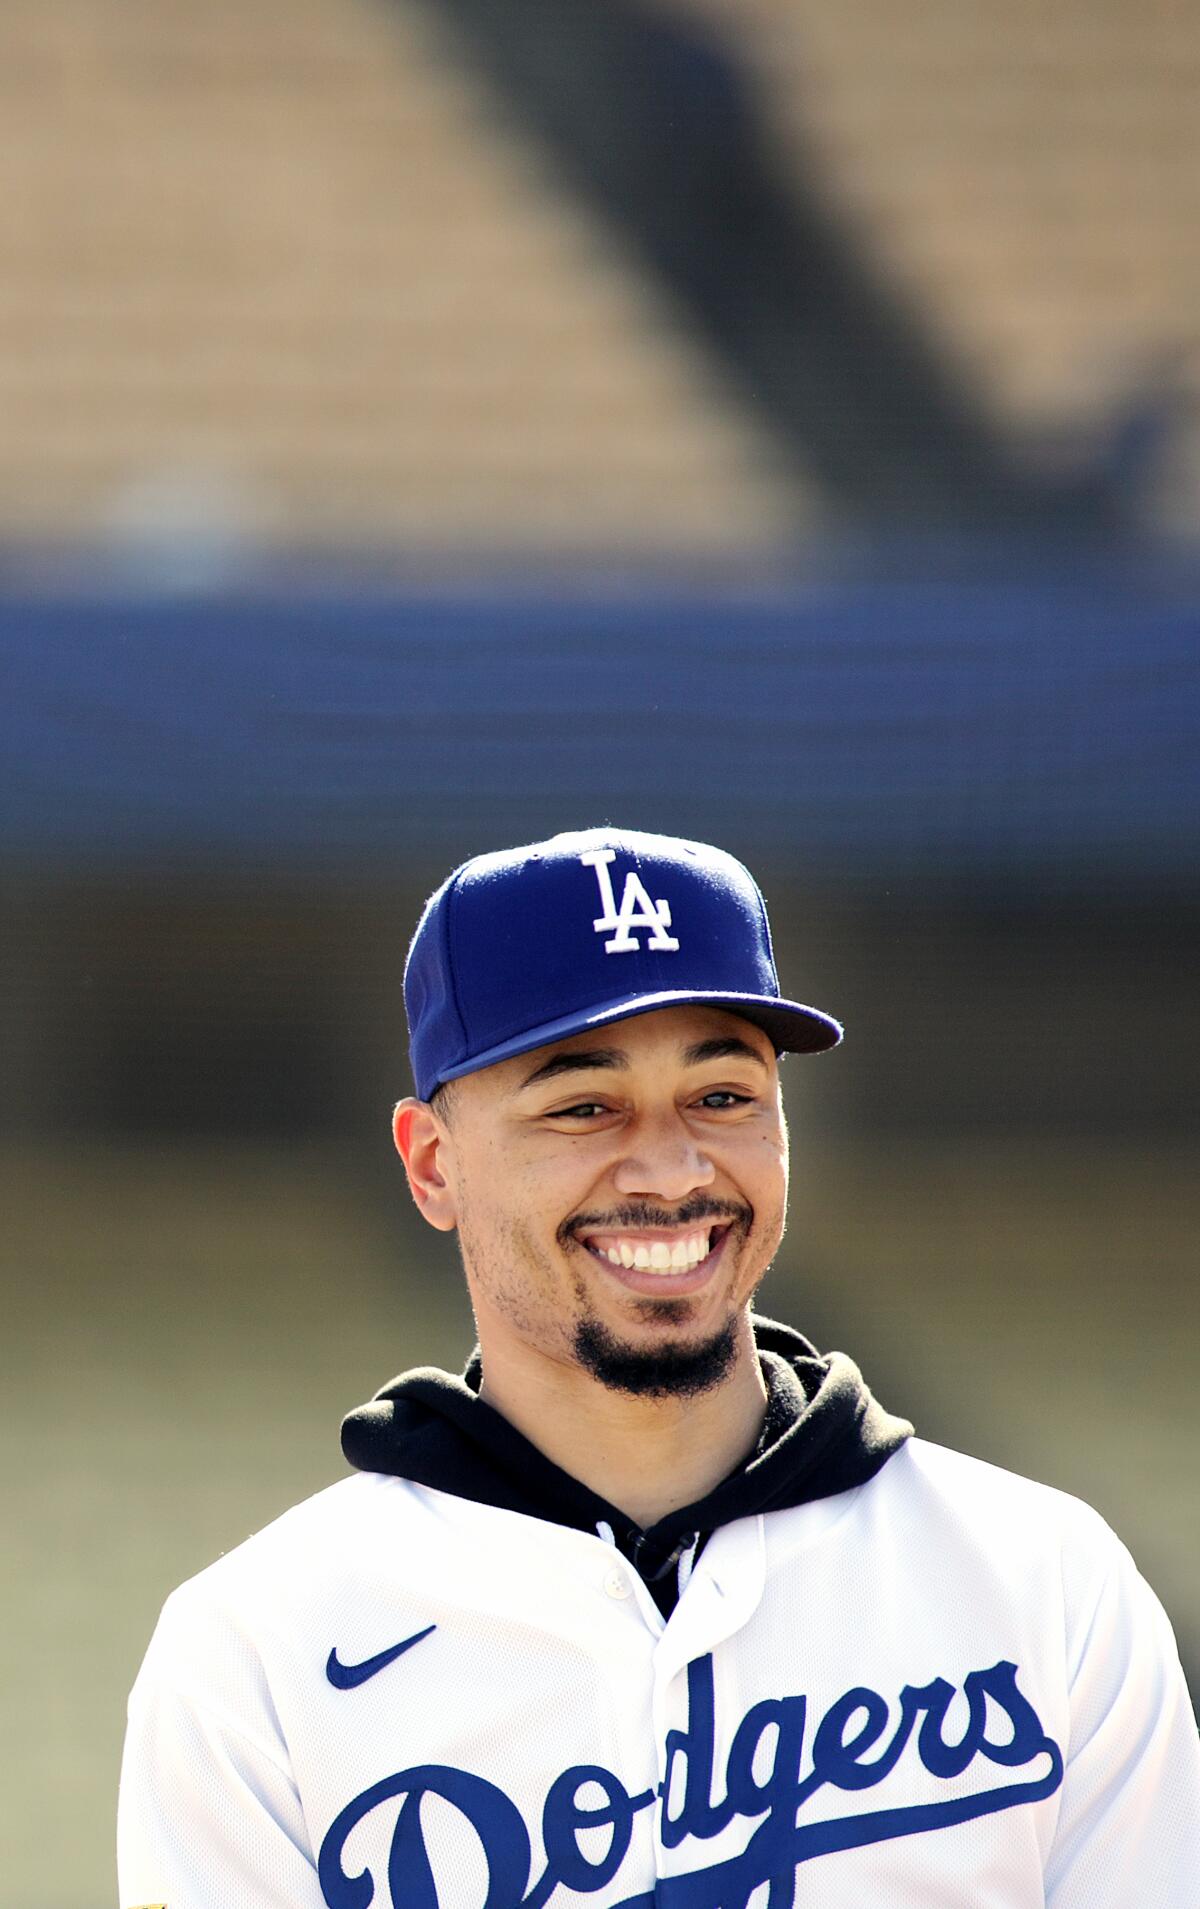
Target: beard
[
  {"x": 670, "y": 1370},
  {"x": 658, "y": 1373}
]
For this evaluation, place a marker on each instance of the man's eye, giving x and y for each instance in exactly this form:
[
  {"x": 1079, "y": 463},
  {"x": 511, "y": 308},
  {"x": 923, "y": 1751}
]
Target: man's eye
[
  {"x": 722, "y": 1097},
  {"x": 583, "y": 1110}
]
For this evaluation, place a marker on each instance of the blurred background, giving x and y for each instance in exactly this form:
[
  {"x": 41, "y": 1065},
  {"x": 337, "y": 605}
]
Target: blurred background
[{"x": 426, "y": 426}]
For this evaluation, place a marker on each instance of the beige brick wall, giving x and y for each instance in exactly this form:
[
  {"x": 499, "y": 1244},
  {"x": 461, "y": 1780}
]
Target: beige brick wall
[
  {"x": 288, "y": 271},
  {"x": 286, "y": 265}
]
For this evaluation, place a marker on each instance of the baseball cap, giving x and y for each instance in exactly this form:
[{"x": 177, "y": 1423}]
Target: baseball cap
[{"x": 529, "y": 945}]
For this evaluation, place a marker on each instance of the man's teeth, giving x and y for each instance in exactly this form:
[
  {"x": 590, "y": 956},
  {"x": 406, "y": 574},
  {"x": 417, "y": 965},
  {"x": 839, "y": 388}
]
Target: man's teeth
[{"x": 659, "y": 1257}]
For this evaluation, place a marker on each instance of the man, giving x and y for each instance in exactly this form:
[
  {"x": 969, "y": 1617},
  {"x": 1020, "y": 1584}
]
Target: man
[{"x": 655, "y": 1604}]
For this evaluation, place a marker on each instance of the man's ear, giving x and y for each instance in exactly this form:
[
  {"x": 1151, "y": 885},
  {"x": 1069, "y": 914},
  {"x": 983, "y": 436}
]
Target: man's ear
[{"x": 421, "y": 1141}]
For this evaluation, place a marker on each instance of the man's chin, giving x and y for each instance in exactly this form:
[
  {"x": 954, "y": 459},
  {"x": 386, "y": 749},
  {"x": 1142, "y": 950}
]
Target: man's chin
[{"x": 656, "y": 1372}]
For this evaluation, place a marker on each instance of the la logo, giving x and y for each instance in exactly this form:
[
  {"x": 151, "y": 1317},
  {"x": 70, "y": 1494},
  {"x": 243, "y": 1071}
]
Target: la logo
[{"x": 636, "y": 910}]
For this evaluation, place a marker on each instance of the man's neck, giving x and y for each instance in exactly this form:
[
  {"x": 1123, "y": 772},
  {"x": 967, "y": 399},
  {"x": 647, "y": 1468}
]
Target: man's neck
[{"x": 647, "y": 1456}]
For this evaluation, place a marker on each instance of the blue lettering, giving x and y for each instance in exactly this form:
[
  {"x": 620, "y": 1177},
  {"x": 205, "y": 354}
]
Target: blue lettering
[
  {"x": 495, "y": 1820},
  {"x": 563, "y": 1818},
  {"x": 1028, "y": 1738},
  {"x": 939, "y": 1757},
  {"x": 769, "y": 1858},
  {"x": 837, "y": 1761},
  {"x": 780, "y": 1845},
  {"x": 698, "y": 1817},
  {"x": 851, "y": 1751},
  {"x": 746, "y": 1796},
  {"x": 944, "y": 1759}
]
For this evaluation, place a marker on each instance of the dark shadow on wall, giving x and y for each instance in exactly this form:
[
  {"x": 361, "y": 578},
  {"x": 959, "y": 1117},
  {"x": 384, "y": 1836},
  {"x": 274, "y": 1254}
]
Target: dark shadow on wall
[{"x": 651, "y": 119}]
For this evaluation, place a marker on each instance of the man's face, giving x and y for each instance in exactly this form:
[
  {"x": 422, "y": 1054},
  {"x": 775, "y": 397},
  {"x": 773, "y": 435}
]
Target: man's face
[{"x": 620, "y": 1194}]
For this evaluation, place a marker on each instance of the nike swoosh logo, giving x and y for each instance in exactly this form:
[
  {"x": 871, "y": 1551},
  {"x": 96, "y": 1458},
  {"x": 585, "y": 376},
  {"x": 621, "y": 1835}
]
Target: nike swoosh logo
[{"x": 350, "y": 1676}]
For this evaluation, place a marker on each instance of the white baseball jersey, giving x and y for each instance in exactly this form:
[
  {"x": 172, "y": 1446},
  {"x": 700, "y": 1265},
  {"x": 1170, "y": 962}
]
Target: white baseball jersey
[{"x": 946, "y": 1688}]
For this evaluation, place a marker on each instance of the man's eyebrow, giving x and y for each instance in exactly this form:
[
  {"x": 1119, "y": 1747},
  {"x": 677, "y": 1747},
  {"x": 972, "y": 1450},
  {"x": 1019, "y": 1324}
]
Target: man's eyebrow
[
  {"x": 579, "y": 1060},
  {"x": 721, "y": 1049}
]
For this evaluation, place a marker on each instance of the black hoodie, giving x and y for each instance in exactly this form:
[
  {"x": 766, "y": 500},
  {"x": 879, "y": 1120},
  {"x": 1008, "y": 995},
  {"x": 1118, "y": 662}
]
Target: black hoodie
[{"x": 823, "y": 1433}]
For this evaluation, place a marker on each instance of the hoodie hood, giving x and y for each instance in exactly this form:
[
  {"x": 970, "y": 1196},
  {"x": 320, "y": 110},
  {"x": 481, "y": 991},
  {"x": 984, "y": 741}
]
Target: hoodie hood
[{"x": 823, "y": 1433}]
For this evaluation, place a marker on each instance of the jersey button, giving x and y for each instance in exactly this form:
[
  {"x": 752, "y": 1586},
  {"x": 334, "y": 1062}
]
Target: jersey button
[{"x": 616, "y": 1584}]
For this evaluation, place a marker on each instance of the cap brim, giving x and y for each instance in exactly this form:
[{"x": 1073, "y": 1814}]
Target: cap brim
[{"x": 792, "y": 1027}]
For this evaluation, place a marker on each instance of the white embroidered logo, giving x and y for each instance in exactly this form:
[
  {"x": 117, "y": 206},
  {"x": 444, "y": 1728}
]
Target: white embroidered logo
[{"x": 636, "y": 910}]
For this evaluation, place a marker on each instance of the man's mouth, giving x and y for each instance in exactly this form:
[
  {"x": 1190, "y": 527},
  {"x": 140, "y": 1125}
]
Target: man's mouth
[{"x": 681, "y": 1251}]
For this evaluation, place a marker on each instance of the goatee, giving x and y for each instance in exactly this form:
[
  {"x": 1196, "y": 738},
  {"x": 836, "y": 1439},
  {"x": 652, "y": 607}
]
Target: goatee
[{"x": 668, "y": 1372}]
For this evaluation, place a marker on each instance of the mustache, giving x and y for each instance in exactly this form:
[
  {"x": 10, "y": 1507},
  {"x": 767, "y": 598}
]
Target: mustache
[{"x": 639, "y": 1215}]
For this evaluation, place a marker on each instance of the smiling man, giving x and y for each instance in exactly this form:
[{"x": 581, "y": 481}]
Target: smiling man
[
  {"x": 617, "y": 1202},
  {"x": 654, "y": 1604}
]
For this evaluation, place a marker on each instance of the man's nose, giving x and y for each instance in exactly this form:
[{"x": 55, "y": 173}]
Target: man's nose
[{"x": 663, "y": 1158}]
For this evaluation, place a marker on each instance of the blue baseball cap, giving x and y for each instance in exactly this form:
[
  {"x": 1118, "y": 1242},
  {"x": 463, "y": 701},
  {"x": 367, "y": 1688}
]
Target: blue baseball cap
[{"x": 530, "y": 945}]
